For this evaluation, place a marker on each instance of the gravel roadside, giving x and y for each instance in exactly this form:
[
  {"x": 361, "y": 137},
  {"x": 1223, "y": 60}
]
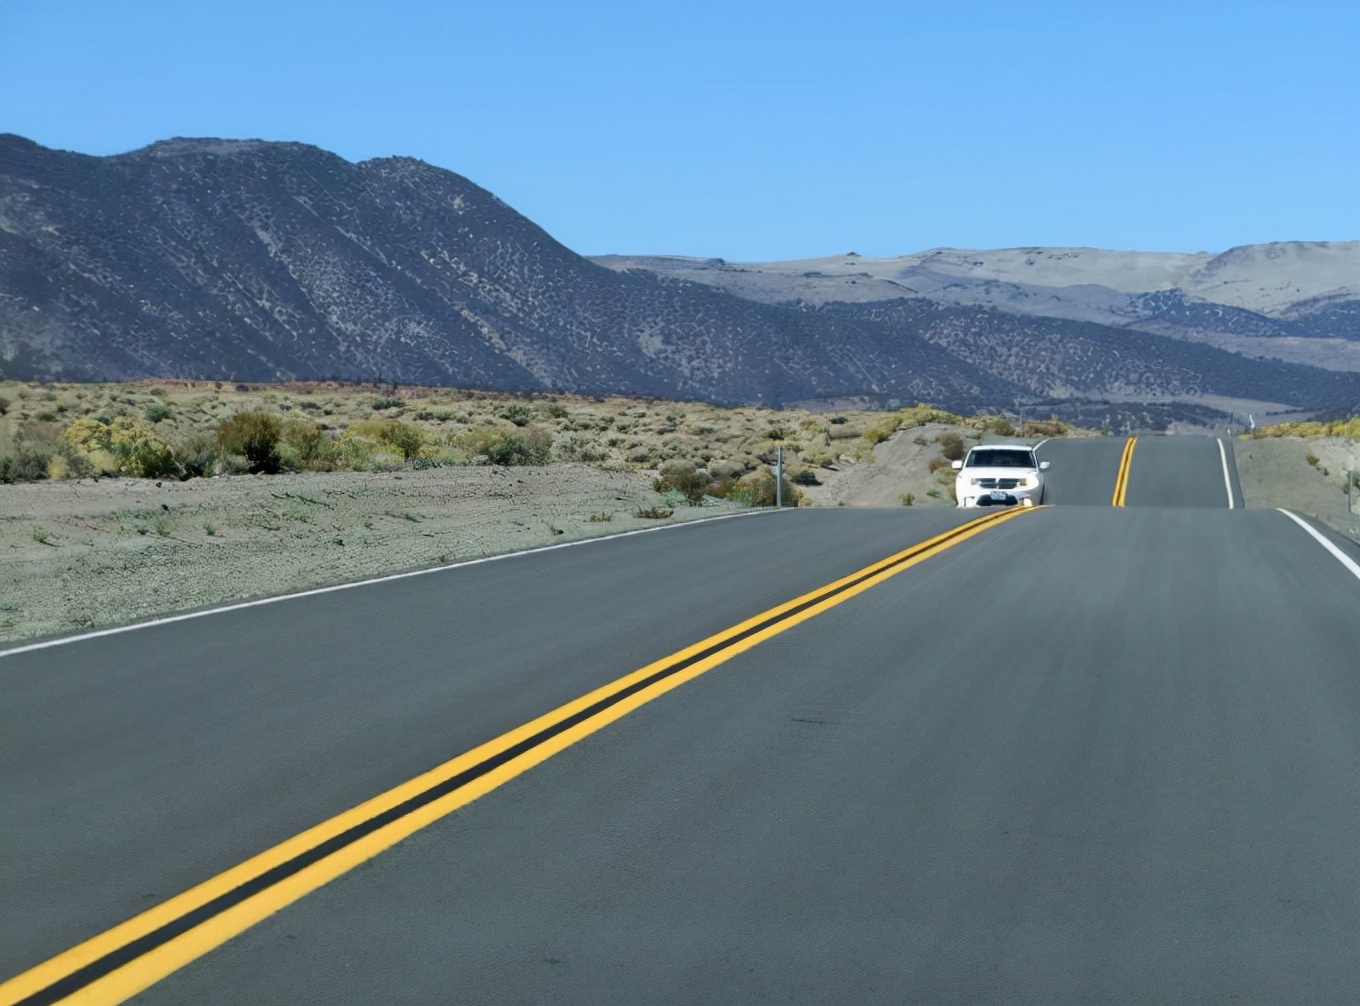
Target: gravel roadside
[
  {"x": 1277, "y": 472},
  {"x": 83, "y": 555}
]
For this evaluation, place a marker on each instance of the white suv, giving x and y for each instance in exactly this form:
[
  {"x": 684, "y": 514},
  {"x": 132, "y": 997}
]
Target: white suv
[{"x": 999, "y": 475}]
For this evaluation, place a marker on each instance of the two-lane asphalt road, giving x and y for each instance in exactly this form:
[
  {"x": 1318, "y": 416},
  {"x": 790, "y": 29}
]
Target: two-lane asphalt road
[
  {"x": 1080, "y": 753},
  {"x": 1184, "y": 471}
]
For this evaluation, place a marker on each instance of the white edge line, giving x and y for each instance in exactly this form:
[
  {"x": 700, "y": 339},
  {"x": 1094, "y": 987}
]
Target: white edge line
[
  {"x": 1041, "y": 443},
  {"x": 1341, "y": 556},
  {"x": 1227, "y": 482},
  {"x": 115, "y": 630}
]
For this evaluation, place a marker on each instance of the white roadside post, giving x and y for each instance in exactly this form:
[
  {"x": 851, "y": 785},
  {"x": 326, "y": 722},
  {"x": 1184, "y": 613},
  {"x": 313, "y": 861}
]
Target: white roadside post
[
  {"x": 779, "y": 476},
  {"x": 1352, "y": 476}
]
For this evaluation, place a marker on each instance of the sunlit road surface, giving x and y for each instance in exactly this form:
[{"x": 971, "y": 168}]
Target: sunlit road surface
[{"x": 1080, "y": 753}]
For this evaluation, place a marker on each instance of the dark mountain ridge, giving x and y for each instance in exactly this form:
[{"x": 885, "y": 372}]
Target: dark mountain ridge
[{"x": 256, "y": 260}]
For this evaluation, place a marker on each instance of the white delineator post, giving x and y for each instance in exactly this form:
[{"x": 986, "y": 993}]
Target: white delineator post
[
  {"x": 779, "y": 476},
  {"x": 1352, "y": 476}
]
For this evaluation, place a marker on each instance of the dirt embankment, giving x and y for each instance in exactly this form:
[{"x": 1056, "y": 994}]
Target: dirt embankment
[
  {"x": 1304, "y": 474},
  {"x": 901, "y": 469}
]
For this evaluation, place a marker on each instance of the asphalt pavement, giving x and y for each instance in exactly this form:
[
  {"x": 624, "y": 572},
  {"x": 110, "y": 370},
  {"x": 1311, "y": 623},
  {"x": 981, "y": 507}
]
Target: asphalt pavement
[
  {"x": 1169, "y": 471},
  {"x": 1083, "y": 472},
  {"x": 138, "y": 765},
  {"x": 1090, "y": 753},
  {"x": 1182, "y": 471}
]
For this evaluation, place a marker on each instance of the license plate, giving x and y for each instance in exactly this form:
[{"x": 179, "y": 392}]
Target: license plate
[{"x": 999, "y": 495}]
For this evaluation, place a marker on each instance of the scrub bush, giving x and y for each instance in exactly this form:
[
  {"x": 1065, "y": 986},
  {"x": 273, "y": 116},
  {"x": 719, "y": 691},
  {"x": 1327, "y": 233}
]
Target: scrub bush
[
  {"x": 353, "y": 452},
  {"x": 254, "y": 436},
  {"x": 579, "y": 448},
  {"x": 520, "y": 415},
  {"x": 530, "y": 446},
  {"x": 404, "y": 438},
  {"x": 24, "y": 466},
  {"x": 142, "y": 453},
  {"x": 683, "y": 478},
  {"x": 197, "y": 455},
  {"x": 881, "y": 432},
  {"x": 1052, "y": 427},
  {"x": 653, "y": 512},
  {"x": 920, "y": 414},
  {"x": 1337, "y": 428},
  {"x": 307, "y": 443},
  {"x": 757, "y": 488},
  {"x": 124, "y": 446},
  {"x": 952, "y": 446},
  {"x": 726, "y": 469},
  {"x": 69, "y": 463}
]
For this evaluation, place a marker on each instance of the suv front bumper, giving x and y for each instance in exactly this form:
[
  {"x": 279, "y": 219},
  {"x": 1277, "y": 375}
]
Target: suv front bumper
[{"x": 999, "y": 497}]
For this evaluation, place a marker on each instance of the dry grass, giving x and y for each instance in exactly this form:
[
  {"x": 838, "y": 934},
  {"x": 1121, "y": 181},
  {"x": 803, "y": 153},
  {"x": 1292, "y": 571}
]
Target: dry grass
[
  {"x": 1310, "y": 431},
  {"x": 382, "y": 428}
]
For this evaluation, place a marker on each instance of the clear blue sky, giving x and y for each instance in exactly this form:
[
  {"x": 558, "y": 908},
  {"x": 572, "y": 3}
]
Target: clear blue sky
[{"x": 754, "y": 130}]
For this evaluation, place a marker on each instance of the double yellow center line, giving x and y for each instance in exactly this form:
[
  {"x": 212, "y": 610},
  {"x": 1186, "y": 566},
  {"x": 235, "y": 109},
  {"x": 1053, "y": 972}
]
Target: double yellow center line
[
  {"x": 1121, "y": 482},
  {"x": 121, "y": 962}
]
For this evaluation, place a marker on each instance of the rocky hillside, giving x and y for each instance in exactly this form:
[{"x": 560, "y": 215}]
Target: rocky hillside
[{"x": 261, "y": 261}]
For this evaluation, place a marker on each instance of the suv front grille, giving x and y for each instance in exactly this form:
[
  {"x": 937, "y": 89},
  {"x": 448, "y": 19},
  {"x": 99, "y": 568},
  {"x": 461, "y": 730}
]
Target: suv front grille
[{"x": 998, "y": 483}]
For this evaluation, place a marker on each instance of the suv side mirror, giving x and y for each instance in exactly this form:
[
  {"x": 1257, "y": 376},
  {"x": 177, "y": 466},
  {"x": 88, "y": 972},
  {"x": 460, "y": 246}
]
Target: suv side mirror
[
  {"x": 1045, "y": 465},
  {"x": 956, "y": 465}
]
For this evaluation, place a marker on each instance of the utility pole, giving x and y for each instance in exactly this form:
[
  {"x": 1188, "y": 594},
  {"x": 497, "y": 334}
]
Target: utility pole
[{"x": 779, "y": 476}]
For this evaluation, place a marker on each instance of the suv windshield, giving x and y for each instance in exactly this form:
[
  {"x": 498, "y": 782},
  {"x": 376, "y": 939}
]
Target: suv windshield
[{"x": 1000, "y": 459}]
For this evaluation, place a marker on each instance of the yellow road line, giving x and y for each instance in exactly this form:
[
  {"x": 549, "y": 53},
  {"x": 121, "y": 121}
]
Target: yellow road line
[
  {"x": 128, "y": 958},
  {"x": 1121, "y": 482}
]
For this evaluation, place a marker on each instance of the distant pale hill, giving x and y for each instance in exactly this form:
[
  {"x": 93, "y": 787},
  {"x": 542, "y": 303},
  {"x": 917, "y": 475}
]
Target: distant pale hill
[
  {"x": 251, "y": 260},
  {"x": 1272, "y": 279},
  {"x": 1295, "y": 299}
]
